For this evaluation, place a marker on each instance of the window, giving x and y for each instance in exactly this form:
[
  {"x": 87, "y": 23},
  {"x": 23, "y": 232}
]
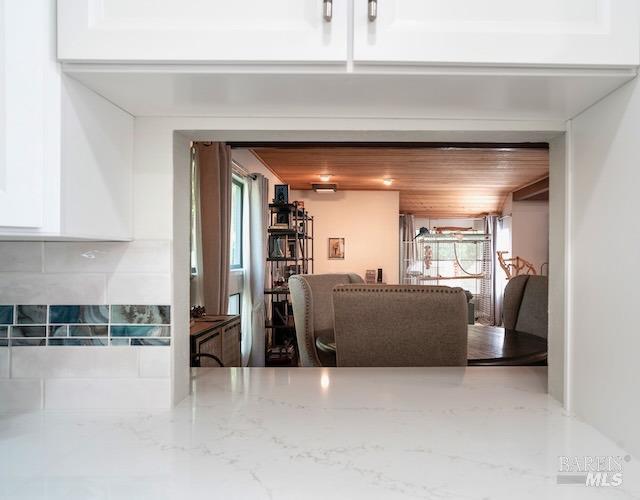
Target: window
[
  {"x": 236, "y": 223},
  {"x": 234, "y": 304},
  {"x": 194, "y": 215}
]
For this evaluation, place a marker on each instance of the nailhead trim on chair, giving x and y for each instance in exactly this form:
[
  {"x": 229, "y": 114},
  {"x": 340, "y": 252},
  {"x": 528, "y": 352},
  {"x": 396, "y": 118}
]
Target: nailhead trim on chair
[
  {"x": 308, "y": 333},
  {"x": 394, "y": 290}
]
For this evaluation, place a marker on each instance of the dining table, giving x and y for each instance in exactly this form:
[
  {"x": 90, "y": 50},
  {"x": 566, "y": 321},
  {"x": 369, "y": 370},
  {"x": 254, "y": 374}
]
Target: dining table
[{"x": 486, "y": 346}]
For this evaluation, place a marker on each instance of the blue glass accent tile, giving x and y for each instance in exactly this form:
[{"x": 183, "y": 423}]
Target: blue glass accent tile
[
  {"x": 149, "y": 315},
  {"x": 27, "y": 342},
  {"x": 4, "y": 342},
  {"x": 28, "y": 331},
  {"x": 120, "y": 342},
  {"x": 140, "y": 331},
  {"x": 34, "y": 315},
  {"x": 4, "y": 332},
  {"x": 88, "y": 330},
  {"x": 77, "y": 342},
  {"x": 79, "y": 314},
  {"x": 147, "y": 342},
  {"x": 58, "y": 331},
  {"x": 6, "y": 315}
]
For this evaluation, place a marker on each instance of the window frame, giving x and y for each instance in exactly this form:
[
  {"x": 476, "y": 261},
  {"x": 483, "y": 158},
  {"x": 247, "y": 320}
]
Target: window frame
[
  {"x": 238, "y": 182},
  {"x": 239, "y": 295}
]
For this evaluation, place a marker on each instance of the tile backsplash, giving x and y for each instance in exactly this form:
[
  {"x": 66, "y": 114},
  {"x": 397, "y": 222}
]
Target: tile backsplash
[
  {"x": 85, "y": 325},
  {"x": 6, "y": 315},
  {"x": 79, "y": 314},
  {"x": 31, "y": 315}
]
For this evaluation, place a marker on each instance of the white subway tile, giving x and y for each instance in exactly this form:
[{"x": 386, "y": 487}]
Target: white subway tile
[
  {"x": 22, "y": 394},
  {"x": 70, "y": 362},
  {"x": 154, "y": 361},
  {"x": 149, "y": 289},
  {"x": 20, "y": 256},
  {"x": 152, "y": 180},
  {"x": 134, "y": 394},
  {"x": 63, "y": 288},
  {"x": 142, "y": 256},
  {"x": 4, "y": 362}
]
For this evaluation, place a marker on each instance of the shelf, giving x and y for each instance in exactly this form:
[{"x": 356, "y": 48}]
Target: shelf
[
  {"x": 289, "y": 326},
  {"x": 291, "y": 208},
  {"x": 290, "y": 242},
  {"x": 287, "y": 259},
  {"x": 281, "y": 355},
  {"x": 276, "y": 291},
  {"x": 287, "y": 232}
]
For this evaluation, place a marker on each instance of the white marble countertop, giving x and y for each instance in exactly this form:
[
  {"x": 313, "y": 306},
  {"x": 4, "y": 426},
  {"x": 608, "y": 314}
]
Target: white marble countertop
[{"x": 432, "y": 433}]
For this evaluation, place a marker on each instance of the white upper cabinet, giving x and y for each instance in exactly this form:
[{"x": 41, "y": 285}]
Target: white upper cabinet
[
  {"x": 498, "y": 32},
  {"x": 65, "y": 152},
  {"x": 462, "y": 32},
  {"x": 25, "y": 77},
  {"x": 202, "y": 31}
]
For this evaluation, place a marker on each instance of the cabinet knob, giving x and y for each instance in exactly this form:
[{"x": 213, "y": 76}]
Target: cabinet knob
[
  {"x": 372, "y": 10},
  {"x": 327, "y": 10}
]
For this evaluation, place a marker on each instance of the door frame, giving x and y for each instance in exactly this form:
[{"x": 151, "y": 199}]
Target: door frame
[{"x": 295, "y": 129}]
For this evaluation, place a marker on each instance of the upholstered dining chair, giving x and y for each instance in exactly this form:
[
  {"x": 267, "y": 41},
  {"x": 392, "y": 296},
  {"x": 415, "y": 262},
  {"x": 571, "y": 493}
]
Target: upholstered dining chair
[
  {"x": 526, "y": 305},
  {"x": 400, "y": 325},
  {"x": 313, "y": 311}
]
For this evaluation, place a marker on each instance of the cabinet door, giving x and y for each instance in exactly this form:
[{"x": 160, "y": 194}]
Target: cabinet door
[
  {"x": 513, "y": 32},
  {"x": 201, "y": 30},
  {"x": 23, "y": 124},
  {"x": 231, "y": 346}
]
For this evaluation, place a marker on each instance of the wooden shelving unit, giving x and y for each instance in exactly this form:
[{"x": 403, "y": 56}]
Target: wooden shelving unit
[{"x": 290, "y": 251}]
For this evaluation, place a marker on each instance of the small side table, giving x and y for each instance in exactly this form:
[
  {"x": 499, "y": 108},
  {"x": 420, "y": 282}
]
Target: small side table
[{"x": 216, "y": 338}]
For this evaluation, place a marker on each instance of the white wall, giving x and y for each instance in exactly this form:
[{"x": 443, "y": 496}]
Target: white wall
[
  {"x": 604, "y": 272},
  {"x": 252, "y": 165},
  {"x": 97, "y": 151},
  {"x": 558, "y": 246},
  {"x": 477, "y": 224},
  {"x": 181, "y": 259},
  {"x": 529, "y": 230},
  {"x": 369, "y": 223}
]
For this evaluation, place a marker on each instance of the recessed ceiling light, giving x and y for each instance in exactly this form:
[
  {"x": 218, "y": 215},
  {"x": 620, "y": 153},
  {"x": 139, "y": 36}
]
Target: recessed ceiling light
[
  {"x": 387, "y": 182},
  {"x": 325, "y": 177}
]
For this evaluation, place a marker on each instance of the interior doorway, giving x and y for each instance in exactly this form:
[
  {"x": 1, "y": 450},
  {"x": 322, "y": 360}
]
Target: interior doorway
[{"x": 556, "y": 247}]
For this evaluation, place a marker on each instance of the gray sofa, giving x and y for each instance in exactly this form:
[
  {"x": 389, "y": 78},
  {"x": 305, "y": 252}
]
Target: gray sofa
[
  {"x": 311, "y": 298},
  {"x": 526, "y": 305},
  {"x": 400, "y": 325}
]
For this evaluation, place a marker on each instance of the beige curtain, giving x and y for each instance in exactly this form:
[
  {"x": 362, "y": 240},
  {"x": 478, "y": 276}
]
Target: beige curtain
[{"x": 213, "y": 164}]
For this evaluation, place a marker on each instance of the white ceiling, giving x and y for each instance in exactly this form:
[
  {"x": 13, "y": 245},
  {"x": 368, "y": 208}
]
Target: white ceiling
[{"x": 506, "y": 94}]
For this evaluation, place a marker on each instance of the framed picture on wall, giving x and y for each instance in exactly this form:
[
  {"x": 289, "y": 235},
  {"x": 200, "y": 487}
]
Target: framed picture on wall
[
  {"x": 336, "y": 248},
  {"x": 281, "y": 195}
]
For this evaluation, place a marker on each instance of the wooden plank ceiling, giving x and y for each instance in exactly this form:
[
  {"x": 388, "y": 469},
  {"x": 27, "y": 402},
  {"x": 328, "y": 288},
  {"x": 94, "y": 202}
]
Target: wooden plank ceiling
[{"x": 432, "y": 181}]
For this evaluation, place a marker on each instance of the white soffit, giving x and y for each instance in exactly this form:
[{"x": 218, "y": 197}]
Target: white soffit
[{"x": 437, "y": 93}]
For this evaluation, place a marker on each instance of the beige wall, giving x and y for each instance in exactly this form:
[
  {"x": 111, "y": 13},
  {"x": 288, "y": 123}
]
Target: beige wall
[
  {"x": 529, "y": 231},
  {"x": 368, "y": 220}
]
